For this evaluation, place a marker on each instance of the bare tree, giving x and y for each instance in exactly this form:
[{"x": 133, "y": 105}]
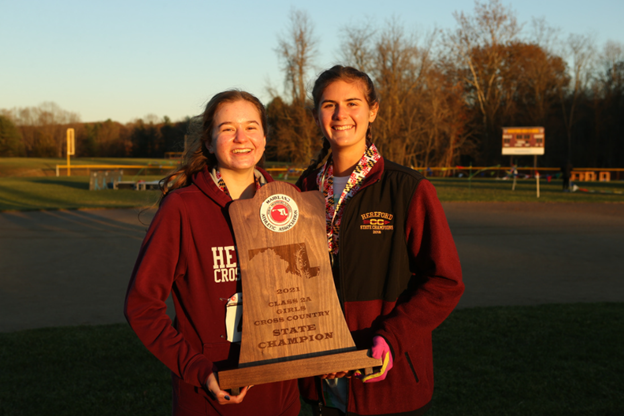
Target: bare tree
[
  {"x": 477, "y": 46},
  {"x": 43, "y": 128},
  {"x": 580, "y": 52},
  {"x": 397, "y": 70},
  {"x": 151, "y": 118},
  {"x": 297, "y": 50},
  {"x": 421, "y": 120},
  {"x": 443, "y": 100},
  {"x": 606, "y": 146},
  {"x": 356, "y": 48},
  {"x": 544, "y": 35},
  {"x": 611, "y": 59},
  {"x": 543, "y": 71}
]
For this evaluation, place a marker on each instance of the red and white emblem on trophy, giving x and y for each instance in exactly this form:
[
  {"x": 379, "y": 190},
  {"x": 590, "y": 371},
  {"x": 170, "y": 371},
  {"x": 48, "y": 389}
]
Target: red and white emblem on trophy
[{"x": 279, "y": 213}]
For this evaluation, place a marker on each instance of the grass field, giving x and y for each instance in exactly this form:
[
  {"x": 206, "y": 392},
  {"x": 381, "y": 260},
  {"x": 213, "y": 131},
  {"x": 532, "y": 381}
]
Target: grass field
[
  {"x": 492, "y": 190},
  {"x": 28, "y": 167},
  {"x": 7, "y": 163},
  {"x": 21, "y": 191},
  {"x": 540, "y": 360},
  {"x": 64, "y": 192},
  {"x": 45, "y": 192},
  {"x": 32, "y": 166}
]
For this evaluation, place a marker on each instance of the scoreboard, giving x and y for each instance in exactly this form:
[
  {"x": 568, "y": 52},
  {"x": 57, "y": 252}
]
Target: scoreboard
[{"x": 523, "y": 140}]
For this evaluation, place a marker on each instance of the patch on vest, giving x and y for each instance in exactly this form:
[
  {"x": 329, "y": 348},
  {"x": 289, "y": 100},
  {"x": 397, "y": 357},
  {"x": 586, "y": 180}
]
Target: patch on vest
[{"x": 377, "y": 222}]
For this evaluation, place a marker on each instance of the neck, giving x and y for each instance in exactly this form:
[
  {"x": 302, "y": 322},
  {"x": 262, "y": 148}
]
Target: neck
[
  {"x": 240, "y": 185},
  {"x": 345, "y": 160}
]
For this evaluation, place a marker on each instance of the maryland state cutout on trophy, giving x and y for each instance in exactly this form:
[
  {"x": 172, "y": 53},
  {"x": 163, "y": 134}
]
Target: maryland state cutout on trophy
[{"x": 292, "y": 324}]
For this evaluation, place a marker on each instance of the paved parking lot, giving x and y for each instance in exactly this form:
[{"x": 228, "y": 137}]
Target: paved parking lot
[
  {"x": 72, "y": 267},
  {"x": 527, "y": 254},
  {"x": 66, "y": 267}
]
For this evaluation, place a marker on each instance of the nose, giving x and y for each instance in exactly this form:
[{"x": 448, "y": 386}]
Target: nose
[
  {"x": 340, "y": 112},
  {"x": 240, "y": 136}
]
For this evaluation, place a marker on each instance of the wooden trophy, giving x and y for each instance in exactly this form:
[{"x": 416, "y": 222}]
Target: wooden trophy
[{"x": 292, "y": 325}]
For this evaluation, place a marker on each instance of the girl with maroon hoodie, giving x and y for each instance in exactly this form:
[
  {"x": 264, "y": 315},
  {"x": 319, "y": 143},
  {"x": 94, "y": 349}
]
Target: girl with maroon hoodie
[
  {"x": 189, "y": 252},
  {"x": 395, "y": 264}
]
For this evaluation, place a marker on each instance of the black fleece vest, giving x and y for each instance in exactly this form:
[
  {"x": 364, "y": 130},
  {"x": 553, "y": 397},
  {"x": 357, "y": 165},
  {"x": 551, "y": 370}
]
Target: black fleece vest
[{"x": 373, "y": 257}]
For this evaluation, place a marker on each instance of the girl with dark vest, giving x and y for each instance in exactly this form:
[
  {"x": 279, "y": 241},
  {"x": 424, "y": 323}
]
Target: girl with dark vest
[{"x": 394, "y": 261}]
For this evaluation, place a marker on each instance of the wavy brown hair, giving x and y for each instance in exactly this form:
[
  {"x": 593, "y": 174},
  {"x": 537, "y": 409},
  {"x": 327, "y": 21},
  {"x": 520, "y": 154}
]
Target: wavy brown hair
[
  {"x": 197, "y": 156},
  {"x": 347, "y": 74}
]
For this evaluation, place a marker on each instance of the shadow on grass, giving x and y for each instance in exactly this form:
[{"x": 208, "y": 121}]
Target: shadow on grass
[
  {"x": 13, "y": 205},
  {"x": 62, "y": 182},
  {"x": 16, "y": 199},
  {"x": 27, "y": 197}
]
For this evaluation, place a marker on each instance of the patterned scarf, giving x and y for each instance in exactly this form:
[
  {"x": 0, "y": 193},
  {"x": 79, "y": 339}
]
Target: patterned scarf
[
  {"x": 325, "y": 182},
  {"x": 259, "y": 180}
]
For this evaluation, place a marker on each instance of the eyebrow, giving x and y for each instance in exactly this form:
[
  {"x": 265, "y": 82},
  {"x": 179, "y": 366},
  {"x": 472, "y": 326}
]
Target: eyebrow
[
  {"x": 348, "y": 99},
  {"x": 231, "y": 122}
]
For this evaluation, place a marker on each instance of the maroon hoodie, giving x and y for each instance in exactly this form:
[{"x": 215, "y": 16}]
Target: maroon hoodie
[{"x": 189, "y": 252}]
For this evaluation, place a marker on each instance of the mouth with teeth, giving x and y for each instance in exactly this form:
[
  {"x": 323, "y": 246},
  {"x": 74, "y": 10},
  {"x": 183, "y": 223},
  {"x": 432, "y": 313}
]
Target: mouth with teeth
[
  {"x": 238, "y": 151},
  {"x": 342, "y": 128}
]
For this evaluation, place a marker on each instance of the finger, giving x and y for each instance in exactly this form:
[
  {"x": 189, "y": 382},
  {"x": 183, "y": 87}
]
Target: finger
[
  {"x": 377, "y": 353},
  {"x": 239, "y": 398},
  {"x": 381, "y": 374},
  {"x": 223, "y": 397}
]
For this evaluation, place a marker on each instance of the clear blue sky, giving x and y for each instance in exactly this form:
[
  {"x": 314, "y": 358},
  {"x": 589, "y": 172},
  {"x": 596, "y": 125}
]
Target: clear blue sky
[{"x": 126, "y": 59}]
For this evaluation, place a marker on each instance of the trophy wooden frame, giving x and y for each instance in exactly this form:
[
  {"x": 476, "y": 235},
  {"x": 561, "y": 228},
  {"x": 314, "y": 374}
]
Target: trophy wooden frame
[{"x": 292, "y": 323}]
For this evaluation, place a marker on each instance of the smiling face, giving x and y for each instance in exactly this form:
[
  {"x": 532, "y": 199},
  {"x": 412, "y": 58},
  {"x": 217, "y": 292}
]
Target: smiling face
[
  {"x": 343, "y": 115},
  {"x": 238, "y": 139}
]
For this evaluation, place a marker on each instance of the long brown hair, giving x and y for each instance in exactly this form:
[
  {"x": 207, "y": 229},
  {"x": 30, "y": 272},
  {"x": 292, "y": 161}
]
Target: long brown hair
[
  {"x": 197, "y": 156},
  {"x": 347, "y": 74}
]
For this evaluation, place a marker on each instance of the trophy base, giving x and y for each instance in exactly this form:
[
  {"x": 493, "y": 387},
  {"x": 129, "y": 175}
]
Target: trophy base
[{"x": 288, "y": 370}]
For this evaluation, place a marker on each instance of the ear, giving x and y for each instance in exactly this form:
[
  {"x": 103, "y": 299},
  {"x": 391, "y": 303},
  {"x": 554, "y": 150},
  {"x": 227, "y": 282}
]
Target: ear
[
  {"x": 316, "y": 119},
  {"x": 373, "y": 113}
]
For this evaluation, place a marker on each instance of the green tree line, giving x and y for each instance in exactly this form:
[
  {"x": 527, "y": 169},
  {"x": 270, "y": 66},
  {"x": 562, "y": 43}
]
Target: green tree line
[
  {"x": 445, "y": 96},
  {"x": 39, "y": 132}
]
